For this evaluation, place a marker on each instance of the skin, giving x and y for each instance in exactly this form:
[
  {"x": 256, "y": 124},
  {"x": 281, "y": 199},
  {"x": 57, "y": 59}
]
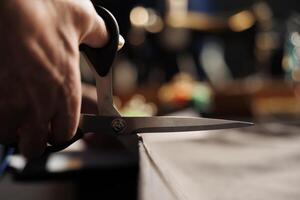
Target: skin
[{"x": 40, "y": 83}]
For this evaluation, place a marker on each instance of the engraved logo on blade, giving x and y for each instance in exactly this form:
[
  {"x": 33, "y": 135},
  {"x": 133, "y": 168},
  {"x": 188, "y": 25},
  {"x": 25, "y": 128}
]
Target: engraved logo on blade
[{"x": 118, "y": 125}]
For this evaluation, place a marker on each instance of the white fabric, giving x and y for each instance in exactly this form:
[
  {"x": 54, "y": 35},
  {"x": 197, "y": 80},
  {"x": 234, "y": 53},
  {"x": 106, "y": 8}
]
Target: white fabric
[{"x": 256, "y": 163}]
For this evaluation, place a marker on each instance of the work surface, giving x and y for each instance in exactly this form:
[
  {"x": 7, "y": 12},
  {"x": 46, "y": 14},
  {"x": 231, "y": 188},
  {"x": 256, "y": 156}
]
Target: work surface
[{"x": 261, "y": 162}]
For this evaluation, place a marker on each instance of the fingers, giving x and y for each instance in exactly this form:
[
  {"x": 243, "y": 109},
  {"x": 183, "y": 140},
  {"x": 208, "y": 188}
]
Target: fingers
[
  {"x": 63, "y": 125},
  {"x": 8, "y": 129},
  {"x": 33, "y": 139},
  {"x": 66, "y": 119}
]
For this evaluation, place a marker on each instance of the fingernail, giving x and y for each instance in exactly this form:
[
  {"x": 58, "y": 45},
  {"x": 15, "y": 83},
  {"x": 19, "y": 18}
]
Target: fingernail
[{"x": 121, "y": 42}]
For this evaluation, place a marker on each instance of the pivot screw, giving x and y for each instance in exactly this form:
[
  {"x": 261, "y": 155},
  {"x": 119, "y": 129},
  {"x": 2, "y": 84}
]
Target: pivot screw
[{"x": 118, "y": 125}]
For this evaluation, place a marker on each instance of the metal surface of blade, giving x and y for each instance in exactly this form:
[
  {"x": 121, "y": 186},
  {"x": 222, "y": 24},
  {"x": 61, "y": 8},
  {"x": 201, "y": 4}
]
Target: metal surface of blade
[
  {"x": 134, "y": 125},
  {"x": 105, "y": 95}
]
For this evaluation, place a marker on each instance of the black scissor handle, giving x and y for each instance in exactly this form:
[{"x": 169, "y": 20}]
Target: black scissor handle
[
  {"x": 103, "y": 58},
  {"x": 56, "y": 148}
]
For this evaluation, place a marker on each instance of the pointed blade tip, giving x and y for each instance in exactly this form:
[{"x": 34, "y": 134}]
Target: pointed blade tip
[{"x": 245, "y": 124}]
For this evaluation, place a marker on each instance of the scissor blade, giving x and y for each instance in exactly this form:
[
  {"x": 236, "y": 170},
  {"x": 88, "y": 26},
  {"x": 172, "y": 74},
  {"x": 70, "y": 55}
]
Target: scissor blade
[
  {"x": 134, "y": 125},
  {"x": 179, "y": 124}
]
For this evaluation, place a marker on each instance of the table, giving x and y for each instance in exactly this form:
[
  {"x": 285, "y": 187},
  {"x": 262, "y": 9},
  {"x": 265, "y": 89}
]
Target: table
[{"x": 261, "y": 162}]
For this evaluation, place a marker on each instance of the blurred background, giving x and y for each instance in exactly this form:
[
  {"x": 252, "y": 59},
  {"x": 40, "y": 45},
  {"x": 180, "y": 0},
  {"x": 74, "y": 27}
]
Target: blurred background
[
  {"x": 214, "y": 58},
  {"x": 220, "y": 58}
]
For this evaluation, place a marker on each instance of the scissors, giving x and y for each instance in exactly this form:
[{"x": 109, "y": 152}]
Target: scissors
[{"x": 109, "y": 120}]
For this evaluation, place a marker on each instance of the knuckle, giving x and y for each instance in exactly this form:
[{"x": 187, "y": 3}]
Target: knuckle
[
  {"x": 83, "y": 11},
  {"x": 57, "y": 79}
]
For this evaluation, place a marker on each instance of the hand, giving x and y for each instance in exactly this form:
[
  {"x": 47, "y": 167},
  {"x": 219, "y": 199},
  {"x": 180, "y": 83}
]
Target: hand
[{"x": 40, "y": 87}]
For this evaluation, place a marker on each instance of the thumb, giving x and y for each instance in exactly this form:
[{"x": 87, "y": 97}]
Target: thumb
[
  {"x": 97, "y": 35},
  {"x": 91, "y": 27}
]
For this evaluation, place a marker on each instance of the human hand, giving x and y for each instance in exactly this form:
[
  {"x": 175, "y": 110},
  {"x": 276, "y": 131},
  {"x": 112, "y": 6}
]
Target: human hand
[{"x": 40, "y": 87}]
